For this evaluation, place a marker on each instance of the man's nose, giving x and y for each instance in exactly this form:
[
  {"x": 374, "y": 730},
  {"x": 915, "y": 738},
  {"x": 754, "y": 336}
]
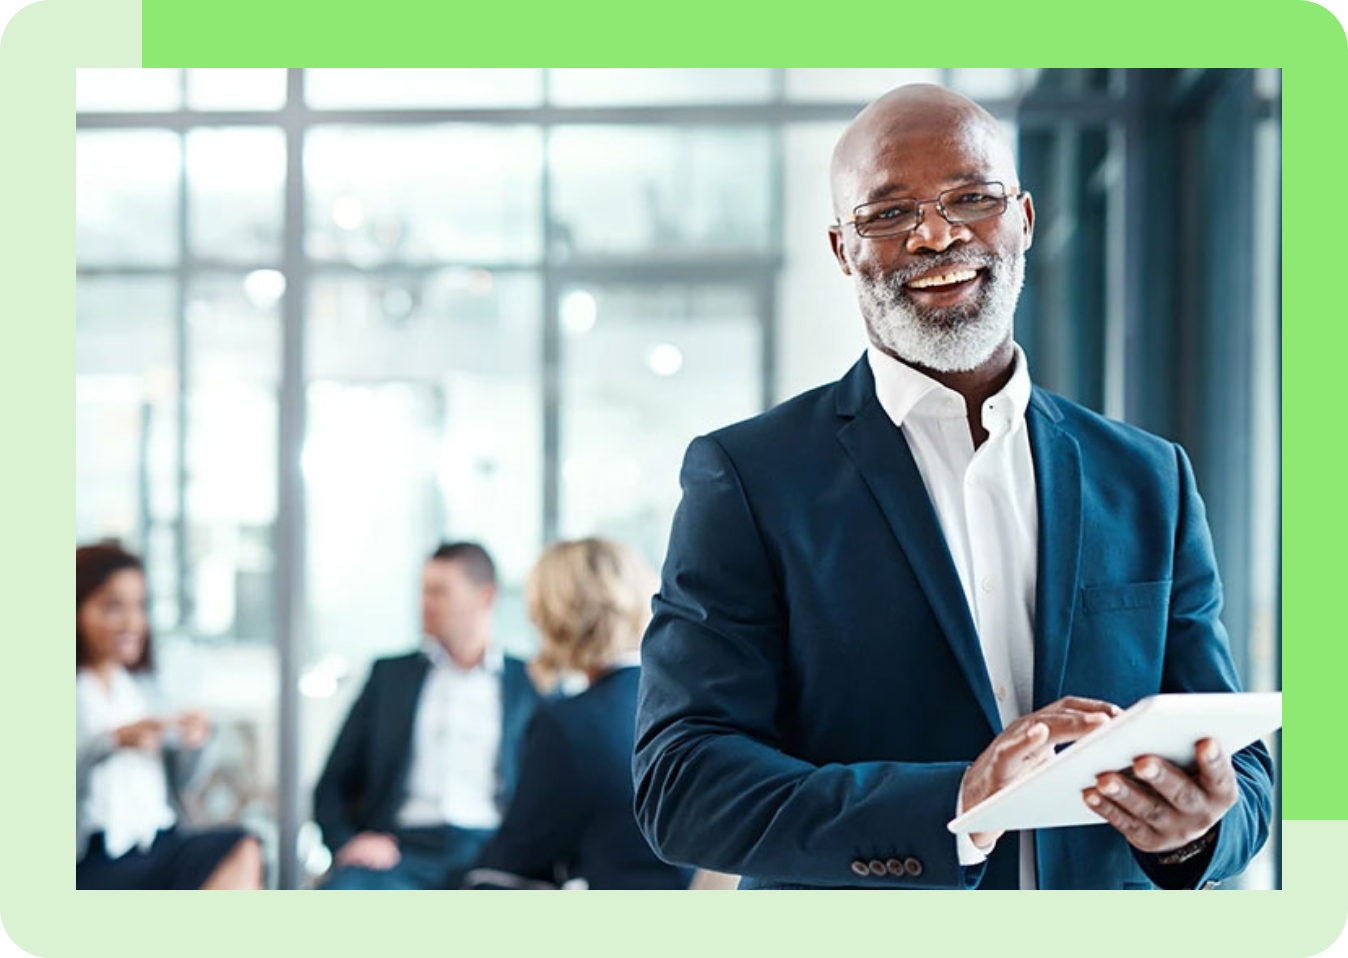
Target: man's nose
[{"x": 934, "y": 233}]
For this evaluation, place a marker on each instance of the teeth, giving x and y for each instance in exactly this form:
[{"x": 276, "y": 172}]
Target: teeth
[{"x": 945, "y": 279}]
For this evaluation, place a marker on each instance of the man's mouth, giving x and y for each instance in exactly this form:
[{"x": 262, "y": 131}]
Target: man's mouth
[{"x": 944, "y": 280}]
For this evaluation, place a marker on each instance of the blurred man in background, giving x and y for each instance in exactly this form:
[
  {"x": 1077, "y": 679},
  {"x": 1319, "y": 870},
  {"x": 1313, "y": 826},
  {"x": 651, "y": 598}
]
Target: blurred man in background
[{"x": 425, "y": 764}]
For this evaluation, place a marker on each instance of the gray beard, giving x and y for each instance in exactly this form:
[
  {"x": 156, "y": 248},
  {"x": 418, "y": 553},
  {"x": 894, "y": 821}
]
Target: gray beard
[{"x": 953, "y": 339}]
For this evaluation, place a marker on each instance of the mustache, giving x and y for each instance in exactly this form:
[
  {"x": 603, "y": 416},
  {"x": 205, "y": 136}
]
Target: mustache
[{"x": 950, "y": 258}]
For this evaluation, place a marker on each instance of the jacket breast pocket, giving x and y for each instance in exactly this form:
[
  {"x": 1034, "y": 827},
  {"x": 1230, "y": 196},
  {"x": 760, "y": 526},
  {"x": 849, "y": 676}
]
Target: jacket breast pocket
[
  {"x": 1118, "y": 642},
  {"x": 1125, "y": 597}
]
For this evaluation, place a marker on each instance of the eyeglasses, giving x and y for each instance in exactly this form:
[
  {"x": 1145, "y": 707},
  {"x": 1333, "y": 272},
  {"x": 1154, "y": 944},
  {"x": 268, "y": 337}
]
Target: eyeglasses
[{"x": 962, "y": 204}]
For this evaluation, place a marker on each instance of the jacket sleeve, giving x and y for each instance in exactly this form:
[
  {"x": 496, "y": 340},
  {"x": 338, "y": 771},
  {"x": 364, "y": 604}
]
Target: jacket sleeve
[
  {"x": 342, "y": 781},
  {"x": 1198, "y": 659},
  {"x": 714, "y": 786},
  {"x": 538, "y": 838}
]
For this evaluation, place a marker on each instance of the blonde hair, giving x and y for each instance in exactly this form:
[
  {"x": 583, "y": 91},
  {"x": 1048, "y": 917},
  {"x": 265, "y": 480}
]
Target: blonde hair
[{"x": 590, "y": 600}]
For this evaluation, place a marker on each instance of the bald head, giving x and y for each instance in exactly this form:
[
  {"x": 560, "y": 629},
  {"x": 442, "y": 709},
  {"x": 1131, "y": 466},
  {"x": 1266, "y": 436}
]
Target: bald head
[{"x": 917, "y": 120}]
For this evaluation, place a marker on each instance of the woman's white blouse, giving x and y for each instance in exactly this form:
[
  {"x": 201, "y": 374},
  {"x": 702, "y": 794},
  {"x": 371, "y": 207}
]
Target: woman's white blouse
[{"x": 128, "y": 796}]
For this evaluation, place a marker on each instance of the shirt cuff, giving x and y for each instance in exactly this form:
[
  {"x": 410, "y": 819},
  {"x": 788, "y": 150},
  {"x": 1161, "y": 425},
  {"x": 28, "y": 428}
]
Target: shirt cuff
[{"x": 968, "y": 852}]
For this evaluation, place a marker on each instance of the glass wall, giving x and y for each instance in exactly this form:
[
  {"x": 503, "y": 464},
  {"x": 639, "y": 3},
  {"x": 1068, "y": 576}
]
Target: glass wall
[
  {"x": 177, "y": 366},
  {"x": 499, "y": 303},
  {"x": 645, "y": 369}
]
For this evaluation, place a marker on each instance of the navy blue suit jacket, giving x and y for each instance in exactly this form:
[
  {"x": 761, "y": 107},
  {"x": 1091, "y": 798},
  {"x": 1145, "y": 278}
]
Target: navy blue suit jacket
[
  {"x": 572, "y": 813},
  {"x": 813, "y": 686},
  {"x": 364, "y": 782}
]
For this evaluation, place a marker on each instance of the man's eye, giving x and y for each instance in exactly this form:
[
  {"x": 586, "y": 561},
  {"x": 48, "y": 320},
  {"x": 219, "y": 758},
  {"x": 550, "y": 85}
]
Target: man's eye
[{"x": 892, "y": 213}]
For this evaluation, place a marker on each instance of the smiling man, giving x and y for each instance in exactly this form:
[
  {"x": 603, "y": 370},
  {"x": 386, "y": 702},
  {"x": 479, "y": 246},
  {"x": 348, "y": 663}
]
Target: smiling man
[{"x": 889, "y": 597}]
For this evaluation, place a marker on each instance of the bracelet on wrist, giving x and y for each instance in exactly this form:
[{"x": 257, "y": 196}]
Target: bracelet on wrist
[{"x": 1192, "y": 850}]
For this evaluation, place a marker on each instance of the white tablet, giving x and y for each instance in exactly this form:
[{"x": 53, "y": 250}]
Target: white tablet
[{"x": 1164, "y": 725}]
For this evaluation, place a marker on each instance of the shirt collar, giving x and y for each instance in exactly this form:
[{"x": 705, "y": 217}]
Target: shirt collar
[
  {"x": 905, "y": 392},
  {"x": 493, "y": 662}
]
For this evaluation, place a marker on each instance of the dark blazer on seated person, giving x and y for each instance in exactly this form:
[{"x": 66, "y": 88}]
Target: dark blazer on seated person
[
  {"x": 572, "y": 814},
  {"x": 363, "y": 785}
]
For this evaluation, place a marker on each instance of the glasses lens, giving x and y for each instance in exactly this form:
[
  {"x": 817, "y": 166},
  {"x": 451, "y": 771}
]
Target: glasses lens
[
  {"x": 884, "y": 218},
  {"x": 965, "y": 204}
]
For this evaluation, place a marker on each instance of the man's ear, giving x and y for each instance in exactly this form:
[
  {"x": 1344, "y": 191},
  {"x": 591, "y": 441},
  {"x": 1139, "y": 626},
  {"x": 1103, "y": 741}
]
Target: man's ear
[
  {"x": 1027, "y": 208},
  {"x": 835, "y": 241}
]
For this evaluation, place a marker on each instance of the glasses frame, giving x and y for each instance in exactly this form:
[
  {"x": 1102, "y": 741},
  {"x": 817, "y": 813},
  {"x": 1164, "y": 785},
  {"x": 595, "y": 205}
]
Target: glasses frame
[{"x": 939, "y": 199}]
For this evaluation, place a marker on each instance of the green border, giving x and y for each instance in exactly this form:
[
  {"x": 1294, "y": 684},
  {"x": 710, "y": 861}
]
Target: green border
[{"x": 37, "y": 53}]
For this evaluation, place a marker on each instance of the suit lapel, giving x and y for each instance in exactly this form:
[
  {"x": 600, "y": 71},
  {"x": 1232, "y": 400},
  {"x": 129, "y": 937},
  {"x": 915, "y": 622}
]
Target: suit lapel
[
  {"x": 403, "y": 712},
  {"x": 1057, "y": 467},
  {"x": 881, "y": 454}
]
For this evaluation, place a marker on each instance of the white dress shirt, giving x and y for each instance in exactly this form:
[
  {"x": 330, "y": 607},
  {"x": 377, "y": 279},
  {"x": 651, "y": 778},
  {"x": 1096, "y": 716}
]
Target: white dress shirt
[
  {"x": 456, "y": 740},
  {"x": 985, "y": 502},
  {"x": 128, "y": 798}
]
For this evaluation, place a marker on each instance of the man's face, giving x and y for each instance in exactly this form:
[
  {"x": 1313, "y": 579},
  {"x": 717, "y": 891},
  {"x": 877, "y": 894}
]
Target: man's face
[
  {"x": 948, "y": 327},
  {"x": 454, "y": 608}
]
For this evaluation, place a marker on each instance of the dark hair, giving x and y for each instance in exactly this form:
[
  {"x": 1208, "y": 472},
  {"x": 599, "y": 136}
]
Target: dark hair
[
  {"x": 476, "y": 561},
  {"x": 94, "y": 566}
]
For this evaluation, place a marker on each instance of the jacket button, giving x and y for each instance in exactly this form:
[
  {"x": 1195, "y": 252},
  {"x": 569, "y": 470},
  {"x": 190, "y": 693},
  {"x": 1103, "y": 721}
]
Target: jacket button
[
  {"x": 895, "y": 868},
  {"x": 912, "y": 866},
  {"x": 860, "y": 868},
  {"x": 877, "y": 867}
]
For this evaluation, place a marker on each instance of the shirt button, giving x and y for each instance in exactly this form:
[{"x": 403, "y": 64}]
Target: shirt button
[
  {"x": 987, "y": 585},
  {"x": 1000, "y": 692},
  {"x": 860, "y": 868}
]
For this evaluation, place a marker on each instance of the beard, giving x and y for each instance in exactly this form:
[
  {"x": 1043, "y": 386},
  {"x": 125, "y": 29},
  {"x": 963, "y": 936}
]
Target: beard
[{"x": 946, "y": 339}]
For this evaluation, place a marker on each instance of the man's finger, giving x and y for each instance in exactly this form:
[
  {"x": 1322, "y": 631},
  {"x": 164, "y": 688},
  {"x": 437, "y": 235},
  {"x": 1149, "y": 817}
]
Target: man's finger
[
  {"x": 1081, "y": 704},
  {"x": 1215, "y": 774},
  {"x": 1068, "y": 727},
  {"x": 1011, "y": 750},
  {"x": 1170, "y": 783},
  {"x": 1140, "y": 802},
  {"x": 1131, "y": 827},
  {"x": 1080, "y": 715},
  {"x": 1028, "y": 738}
]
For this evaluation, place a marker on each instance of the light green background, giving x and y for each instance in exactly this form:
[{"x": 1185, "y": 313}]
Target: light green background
[{"x": 38, "y": 905}]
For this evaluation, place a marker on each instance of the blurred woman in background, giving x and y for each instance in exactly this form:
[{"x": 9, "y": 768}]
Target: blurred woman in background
[
  {"x": 131, "y": 759},
  {"x": 571, "y": 820}
]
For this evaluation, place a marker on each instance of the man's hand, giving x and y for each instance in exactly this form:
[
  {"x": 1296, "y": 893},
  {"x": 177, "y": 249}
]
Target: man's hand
[
  {"x": 370, "y": 850},
  {"x": 1026, "y": 743},
  {"x": 1166, "y": 808}
]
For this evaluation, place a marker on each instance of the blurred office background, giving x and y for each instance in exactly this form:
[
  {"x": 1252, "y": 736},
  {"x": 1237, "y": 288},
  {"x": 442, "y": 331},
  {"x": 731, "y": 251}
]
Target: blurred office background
[{"x": 326, "y": 318}]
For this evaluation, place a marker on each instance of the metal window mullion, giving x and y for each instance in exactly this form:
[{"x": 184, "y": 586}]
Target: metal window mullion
[
  {"x": 767, "y": 310},
  {"x": 1125, "y": 250},
  {"x": 290, "y": 586},
  {"x": 550, "y": 353},
  {"x": 1050, "y": 109},
  {"x": 182, "y": 358},
  {"x": 767, "y": 293}
]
